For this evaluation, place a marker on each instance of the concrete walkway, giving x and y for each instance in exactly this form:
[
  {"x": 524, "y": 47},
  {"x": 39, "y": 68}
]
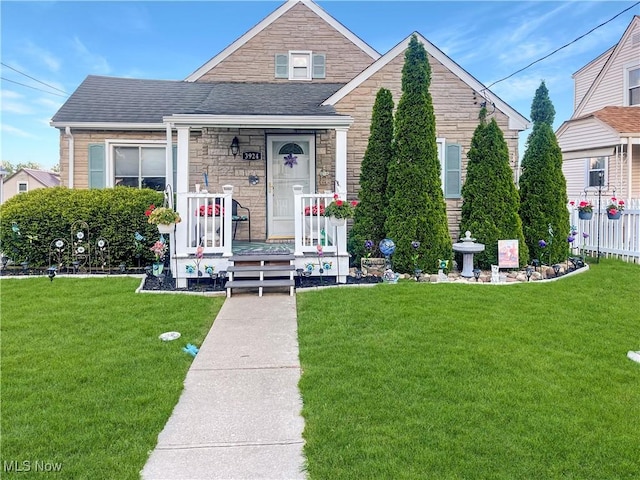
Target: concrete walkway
[{"x": 239, "y": 414}]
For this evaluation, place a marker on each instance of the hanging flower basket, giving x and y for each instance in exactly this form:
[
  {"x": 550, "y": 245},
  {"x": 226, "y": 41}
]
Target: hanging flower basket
[
  {"x": 614, "y": 216},
  {"x": 337, "y": 222},
  {"x": 582, "y": 215},
  {"x": 166, "y": 228}
]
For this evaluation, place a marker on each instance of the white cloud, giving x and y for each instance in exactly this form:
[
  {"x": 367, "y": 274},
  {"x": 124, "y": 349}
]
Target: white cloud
[
  {"x": 96, "y": 63},
  {"x": 42, "y": 55},
  {"x": 10, "y": 94},
  {"x": 16, "y": 107},
  {"x": 16, "y": 131}
]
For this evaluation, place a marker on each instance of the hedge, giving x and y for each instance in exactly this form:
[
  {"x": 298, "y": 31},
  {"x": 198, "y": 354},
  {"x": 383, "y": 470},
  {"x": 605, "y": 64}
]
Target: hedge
[{"x": 32, "y": 221}]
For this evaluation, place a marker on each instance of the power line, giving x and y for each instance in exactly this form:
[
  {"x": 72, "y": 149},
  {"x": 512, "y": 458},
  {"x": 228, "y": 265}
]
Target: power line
[
  {"x": 564, "y": 46},
  {"x": 32, "y": 78},
  {"x": 35, "y": 88}
]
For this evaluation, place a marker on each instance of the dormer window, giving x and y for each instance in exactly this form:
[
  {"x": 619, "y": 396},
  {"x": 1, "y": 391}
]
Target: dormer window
[{"x": 300, "y": 65}]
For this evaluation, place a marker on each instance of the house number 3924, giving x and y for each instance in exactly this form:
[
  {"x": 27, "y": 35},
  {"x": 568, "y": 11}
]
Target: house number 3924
[{"x": 251, "y": 156}]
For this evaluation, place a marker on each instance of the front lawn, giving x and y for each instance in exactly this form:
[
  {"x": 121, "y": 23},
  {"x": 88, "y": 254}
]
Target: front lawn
[
  {"x": 449, "y": 381},
  {"x": 87, "y": 386}
]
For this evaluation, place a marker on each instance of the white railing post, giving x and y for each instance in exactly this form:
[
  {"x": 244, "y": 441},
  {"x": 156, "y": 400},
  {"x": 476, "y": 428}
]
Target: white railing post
[
  {"x": 298, "y": 217},
  {"x": 227, "y": 220}
]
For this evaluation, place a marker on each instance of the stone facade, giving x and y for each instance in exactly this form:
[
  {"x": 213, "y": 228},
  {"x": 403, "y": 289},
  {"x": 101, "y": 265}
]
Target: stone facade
[
  {"x": 456, "y": 108},
  {"x": 298, "y": 29}
]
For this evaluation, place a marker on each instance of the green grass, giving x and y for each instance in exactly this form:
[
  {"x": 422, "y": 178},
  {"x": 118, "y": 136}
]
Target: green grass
[
  {"x": 447, "y": 381},
  {"x": 86, "y": 382}
]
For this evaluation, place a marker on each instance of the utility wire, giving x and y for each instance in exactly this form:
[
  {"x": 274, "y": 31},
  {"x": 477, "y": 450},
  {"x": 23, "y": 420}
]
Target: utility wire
[
  {"x": 564, "y": 46},
  {"x": 32, "y": 78},
  {"x": 35, "y": 88}
]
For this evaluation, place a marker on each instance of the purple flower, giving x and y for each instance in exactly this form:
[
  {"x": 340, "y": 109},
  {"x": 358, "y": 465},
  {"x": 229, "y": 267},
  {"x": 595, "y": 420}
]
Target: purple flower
[
  {"x": 415, "y": 244},
  {"x": 368, "y": 244},
  {"x": 542, "y": 243},
  {"x": 585, "y": 235},
  {"x": 570, "y": 238}
]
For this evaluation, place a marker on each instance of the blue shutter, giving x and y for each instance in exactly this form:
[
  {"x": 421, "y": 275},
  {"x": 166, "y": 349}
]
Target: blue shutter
[
  {"x": 174, "y": 149},
  {"x": 282, "y": 65},
  {"x": 97, "y": 166},
  {"x": 319, "y": 69},
  {"x": 453, "y": 171}
]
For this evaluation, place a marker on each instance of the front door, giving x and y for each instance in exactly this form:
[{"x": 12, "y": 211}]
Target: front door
[{"x": 290, "y": 161}]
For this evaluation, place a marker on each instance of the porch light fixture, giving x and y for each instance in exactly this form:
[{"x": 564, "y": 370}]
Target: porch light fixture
[{"x": 235, "y": 147}]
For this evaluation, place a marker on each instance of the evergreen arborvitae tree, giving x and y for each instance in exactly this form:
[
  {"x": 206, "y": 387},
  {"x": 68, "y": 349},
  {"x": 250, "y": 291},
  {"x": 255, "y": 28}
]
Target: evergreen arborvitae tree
[
  {"x": 543, "y": 188},
  {"x": 416, "y": 210},
  {"x": 368, "y": 222},
  {"x": 490, "y": 199}
]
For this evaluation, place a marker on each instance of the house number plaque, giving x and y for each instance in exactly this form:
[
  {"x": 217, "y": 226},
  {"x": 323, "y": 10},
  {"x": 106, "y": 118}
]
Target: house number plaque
[{"x": 251, "y": 155}]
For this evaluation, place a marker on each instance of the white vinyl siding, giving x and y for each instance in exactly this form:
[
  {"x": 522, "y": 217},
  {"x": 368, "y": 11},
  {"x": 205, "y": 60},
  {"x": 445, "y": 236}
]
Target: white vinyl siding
[{"x": 609, "y": 86}]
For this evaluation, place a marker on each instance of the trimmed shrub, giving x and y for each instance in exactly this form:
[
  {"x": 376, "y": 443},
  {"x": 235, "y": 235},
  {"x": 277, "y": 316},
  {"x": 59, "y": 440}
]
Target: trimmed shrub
[
  {"x": 416, "y": 211},
  {"x": 46, "y": 214},
  {"x": 543, "y": 188},
  {"x": 368, "y": 222},
  {"x": 490, "y": 199}
]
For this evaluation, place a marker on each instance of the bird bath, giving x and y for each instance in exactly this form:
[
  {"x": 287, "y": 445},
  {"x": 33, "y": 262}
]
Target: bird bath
[{"x": 468, "y": 247}]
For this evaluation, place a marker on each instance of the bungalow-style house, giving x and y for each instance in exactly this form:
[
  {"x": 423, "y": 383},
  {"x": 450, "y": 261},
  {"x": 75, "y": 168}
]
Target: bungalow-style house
[
  {"x": 278, "y": 121},
  {"x": 601, "y": 141},
  {"x": 27, "y": 179}
]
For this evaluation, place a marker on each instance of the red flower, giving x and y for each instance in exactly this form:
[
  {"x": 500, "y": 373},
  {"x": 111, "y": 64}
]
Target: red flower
[
  {"x": 354, "y": 203},
  {"x": 210, "y": 209},
  {"x": 309, "y": 210},
  {"x": 572, "y": 203},
  {"x": 148, "y": 211},
  {"x": 339, "y": 203},
  {"x": 335, "y": 196}
]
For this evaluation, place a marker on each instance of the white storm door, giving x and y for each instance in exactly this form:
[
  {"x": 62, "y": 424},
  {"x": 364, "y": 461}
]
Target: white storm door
[{"x": 290, "y": 161}]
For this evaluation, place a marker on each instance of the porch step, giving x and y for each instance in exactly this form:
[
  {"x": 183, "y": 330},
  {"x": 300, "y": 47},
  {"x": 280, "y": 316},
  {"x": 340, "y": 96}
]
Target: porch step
[
  {"x": 279, "y": 271},
  {"x": 261, "y": 268}
]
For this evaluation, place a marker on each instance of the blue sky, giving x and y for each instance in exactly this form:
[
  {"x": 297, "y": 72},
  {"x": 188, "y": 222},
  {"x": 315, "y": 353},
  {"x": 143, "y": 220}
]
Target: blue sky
[{"x": 60, "y": 43}]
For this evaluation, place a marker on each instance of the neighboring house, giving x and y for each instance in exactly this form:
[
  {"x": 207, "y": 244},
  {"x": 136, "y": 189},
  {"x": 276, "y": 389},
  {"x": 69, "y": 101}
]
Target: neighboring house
[
  {"x": 601, "y": 141},
  {"x": 280, "y": 106},
  {"x": 27, "y": 179}
]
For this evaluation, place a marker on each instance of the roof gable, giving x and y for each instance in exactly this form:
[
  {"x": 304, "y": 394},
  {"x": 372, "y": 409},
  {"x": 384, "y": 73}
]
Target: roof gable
[
  {"x": 284, "y": 8},
  {"x": 626, "y": 37},
  {"x": 516, "y": 120},
  {"x": 43, "y": 177}
]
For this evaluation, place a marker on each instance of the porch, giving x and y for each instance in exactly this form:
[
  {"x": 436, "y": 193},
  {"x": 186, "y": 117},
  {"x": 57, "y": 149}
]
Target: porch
[{"x": 203, "y": 241}]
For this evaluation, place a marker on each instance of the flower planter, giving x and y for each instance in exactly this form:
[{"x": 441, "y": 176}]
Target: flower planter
[
  {"x": 337, "y": 222},
  {"x": 585, "y": 215},
  {"x": 166, "y": 228},
  {"x": 614, "y": 216}
]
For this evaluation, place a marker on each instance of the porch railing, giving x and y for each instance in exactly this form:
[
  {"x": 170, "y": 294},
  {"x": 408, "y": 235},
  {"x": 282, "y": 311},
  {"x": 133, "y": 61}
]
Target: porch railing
[
  {"x": 206, "y": 222},
  {"x": 312, "y": 228},
  {"x": 617, "y": 238}
]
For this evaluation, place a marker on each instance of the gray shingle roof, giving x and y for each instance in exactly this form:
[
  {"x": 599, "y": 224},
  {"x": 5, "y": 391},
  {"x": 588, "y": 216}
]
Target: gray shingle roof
[{"x": 127, "y": 100}]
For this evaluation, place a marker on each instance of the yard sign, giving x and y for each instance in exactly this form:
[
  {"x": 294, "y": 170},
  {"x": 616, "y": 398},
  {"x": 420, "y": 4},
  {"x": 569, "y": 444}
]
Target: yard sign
[{"x": 508, "y": 253}]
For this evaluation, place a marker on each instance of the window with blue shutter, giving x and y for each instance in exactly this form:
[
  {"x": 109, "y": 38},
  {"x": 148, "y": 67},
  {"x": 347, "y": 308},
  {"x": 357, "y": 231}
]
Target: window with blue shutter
[
  {"x": 97, "y": 166},
  {"x": 282, "y": 65},
  {"x": 453, "y": 171},
  {"x": 174, "y": 149},
  {"x": 319, "y": 70}
]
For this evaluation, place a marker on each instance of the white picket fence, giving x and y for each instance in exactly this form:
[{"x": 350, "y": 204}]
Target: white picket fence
[{"x": 612, "y": 238}]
